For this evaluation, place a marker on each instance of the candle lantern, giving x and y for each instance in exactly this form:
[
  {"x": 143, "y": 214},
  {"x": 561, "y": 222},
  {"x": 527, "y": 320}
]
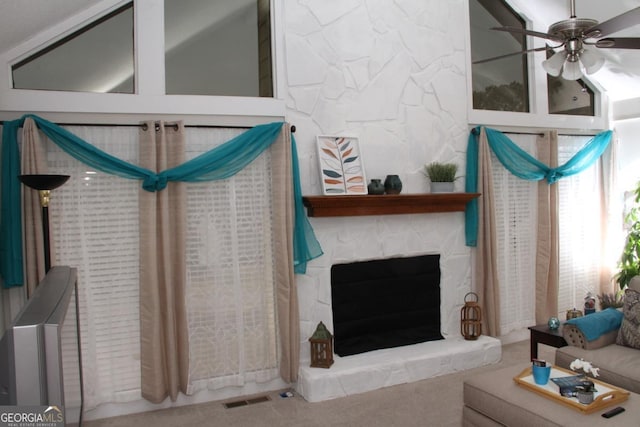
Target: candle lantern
[
  {"x": 471, "y": 317},
  {"x": 321, "y": 347}
]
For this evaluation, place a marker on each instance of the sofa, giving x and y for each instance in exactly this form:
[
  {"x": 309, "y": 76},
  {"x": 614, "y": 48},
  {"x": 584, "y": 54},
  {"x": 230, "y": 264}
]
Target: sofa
[{"x": 616, "y": 352}]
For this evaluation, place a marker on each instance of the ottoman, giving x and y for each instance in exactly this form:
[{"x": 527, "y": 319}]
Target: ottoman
[{"x": 493, "y": 398}]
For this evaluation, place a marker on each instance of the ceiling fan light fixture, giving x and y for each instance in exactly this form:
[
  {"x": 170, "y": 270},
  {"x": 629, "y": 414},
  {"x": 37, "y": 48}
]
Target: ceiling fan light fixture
[
  {"x": 571, "y": 70},
  {"x": 553, "y": 65},
  {"x": 591, "y": 61}
]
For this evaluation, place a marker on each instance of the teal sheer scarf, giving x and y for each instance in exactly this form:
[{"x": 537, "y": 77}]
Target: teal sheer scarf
[
  {"x": 523, "y": 165},
  {"x": 221, "y": 162}
]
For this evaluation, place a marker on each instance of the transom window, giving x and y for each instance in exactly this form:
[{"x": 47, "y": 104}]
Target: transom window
[
  {"x": 219, "y": 48},
  {"x": 96, "y": 58},
  {"x": 501, "y": 83}
]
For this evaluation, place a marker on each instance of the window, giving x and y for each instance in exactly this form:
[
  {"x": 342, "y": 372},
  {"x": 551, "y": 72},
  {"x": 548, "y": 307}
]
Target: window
[
  {"x": 499, "y": 84},
  {"x": 95, "y": 224},
  {"x": 97, "y": 58},
  {"x": 218, "y": 48},
  {"x": 230, "y": 285},
  {"x": 580, "y": 235},
  {"x": 516, "y": 218},
  {"x": 580, "y": 205}
]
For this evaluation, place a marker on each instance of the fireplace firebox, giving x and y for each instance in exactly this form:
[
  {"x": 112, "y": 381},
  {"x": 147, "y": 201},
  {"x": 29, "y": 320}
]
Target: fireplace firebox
[{"x": 385, "y": 303}]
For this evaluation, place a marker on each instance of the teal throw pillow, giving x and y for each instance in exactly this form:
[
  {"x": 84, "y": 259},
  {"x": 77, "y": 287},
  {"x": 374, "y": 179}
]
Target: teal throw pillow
[{"x": 596, "y": 324}]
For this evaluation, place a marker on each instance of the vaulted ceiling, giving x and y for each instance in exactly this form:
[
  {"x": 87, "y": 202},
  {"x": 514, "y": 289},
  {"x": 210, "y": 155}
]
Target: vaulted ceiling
[{"x": 620, "y": 77}]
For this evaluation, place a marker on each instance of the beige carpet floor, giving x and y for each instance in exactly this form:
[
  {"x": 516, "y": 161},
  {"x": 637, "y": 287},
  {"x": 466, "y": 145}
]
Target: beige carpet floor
[{"x": 433, "y": 402}]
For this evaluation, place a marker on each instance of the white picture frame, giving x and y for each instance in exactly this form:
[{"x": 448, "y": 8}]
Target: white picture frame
[{"x": 341, "y": 165}]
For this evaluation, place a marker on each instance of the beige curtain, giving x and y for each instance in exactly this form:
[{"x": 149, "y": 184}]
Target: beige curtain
[
  {"x": 163, "y": 321},
  {"x": 547, "y": 250},
  {"x": 33, "y": 161},
  {"x": 286, "y": 291},
  {"x": 611, "y": 218},
  {"x": 487, "y": 284}
]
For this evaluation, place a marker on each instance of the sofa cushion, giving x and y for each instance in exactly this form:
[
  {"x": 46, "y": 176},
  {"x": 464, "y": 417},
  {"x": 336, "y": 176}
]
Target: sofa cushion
[
  {"x": 618, "y": 365},
  {"x": 629, "y": 334},
  {"x": 599, "y": 323}
]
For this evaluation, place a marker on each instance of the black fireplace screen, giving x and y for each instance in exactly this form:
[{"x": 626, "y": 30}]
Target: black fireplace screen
[{"x": 385, "y": 303}]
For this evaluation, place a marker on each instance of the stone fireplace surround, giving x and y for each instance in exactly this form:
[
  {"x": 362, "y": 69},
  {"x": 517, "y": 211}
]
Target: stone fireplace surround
[{"x": 352, "y": 239}]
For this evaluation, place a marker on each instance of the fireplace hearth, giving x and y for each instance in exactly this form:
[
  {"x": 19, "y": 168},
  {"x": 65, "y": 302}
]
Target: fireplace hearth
[{"x": 385, "y": 303}]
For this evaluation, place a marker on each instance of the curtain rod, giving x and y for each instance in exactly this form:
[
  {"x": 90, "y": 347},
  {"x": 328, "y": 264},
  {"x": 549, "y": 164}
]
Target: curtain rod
[
  {"x": 537, "y": 133},
  {"x": 143, "y": 125},
  {"x": 541, "y": 134}
]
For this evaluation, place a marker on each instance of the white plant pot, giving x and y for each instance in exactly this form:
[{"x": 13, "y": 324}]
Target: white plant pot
[{"x": 442, "y": 187}]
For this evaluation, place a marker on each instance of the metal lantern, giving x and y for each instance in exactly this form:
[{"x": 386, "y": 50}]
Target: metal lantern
[
  {"x": 471, "y": 318},
  {"x": 321, "y": 347}
]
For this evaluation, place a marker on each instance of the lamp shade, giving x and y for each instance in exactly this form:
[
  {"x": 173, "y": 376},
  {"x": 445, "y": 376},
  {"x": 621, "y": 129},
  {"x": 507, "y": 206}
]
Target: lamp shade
[
  {"x": 553, "y": 65},
  {"x": 571, "y": 70},
  {"x": 43, "y": 181},
  {"x": 591, "y": 61},
  {"x": 571, "y": 64}
]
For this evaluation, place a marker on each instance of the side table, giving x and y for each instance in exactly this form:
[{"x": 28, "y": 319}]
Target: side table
[{"x": 541, "y": 334}]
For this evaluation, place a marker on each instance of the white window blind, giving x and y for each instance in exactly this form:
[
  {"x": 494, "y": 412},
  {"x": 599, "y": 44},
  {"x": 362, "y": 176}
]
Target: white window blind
[
  {"x": 230, "y": 291},
  {"x": 580, "y": 229},
  {"x": 95, "y": 226},
  {"x": 516, "y": 222}
]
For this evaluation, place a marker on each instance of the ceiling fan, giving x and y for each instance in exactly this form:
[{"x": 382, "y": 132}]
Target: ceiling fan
[{"x": 573, "y": 35}]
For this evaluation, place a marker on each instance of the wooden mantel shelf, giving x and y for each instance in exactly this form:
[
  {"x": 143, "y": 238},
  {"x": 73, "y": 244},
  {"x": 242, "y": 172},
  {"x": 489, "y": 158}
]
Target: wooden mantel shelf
[{"x": 387, "y": 204}]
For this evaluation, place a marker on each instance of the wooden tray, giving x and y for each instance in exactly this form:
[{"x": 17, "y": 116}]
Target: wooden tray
[{"x": 606, "y": 395}]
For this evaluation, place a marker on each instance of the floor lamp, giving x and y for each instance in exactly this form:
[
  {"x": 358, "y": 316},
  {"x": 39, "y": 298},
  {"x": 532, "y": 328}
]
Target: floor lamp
[{"x": 44, "y": 184}]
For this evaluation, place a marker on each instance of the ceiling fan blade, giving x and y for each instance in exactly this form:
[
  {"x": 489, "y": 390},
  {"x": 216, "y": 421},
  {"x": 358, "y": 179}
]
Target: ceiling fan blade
[
  {"x": 522, "y": 52},
  {"x": 619, "y": 43},
  {"x": 529, "y": 33},
  {"x": 615, "y": 24}
]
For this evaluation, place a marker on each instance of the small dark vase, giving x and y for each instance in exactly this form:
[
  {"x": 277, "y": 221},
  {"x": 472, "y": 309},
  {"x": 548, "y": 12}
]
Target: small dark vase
[
  {"x": 375, "y": 187},
  {"x": 392, "y": 184}
]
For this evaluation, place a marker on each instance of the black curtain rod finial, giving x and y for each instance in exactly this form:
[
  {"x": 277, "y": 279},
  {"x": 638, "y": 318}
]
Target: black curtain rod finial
[{"x": 293, "y": 129}]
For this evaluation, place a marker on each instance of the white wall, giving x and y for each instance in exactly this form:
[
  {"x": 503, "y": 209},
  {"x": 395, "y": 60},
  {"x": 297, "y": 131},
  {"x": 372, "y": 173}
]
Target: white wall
[{"x": 628, "y": 132}]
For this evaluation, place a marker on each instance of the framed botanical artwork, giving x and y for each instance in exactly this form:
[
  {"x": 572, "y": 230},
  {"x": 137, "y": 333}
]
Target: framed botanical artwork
[{"x": 341, "y": 167}]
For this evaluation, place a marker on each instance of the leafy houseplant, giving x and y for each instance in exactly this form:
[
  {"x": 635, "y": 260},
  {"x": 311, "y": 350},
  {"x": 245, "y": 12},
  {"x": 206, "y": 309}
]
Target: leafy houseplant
[
  {"x": 441, "y": 172},
  {"x": 629, "y": 264},
  {"x": 441, "y": 176}
]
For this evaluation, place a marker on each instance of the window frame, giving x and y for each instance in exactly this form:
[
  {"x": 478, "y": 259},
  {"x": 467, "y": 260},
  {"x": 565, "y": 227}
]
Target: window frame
[
  {"x": 538, "y": 115},
  {"x": 149, "y": 97}
]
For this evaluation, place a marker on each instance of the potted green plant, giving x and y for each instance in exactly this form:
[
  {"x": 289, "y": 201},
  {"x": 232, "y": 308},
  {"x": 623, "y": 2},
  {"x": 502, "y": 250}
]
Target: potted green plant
[
  {"x": 611, "y": 299},
  {"x": 629, "y": 264},
  {"x": 441, "y": 175}
]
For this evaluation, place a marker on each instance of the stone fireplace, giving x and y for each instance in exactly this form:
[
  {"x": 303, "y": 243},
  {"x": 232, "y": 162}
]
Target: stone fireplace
[{"x": 368, "y": 238}]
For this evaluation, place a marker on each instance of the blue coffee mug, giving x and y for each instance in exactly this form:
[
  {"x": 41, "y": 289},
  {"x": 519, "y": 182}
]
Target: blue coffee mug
[{"x": 541, "y": 374}]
